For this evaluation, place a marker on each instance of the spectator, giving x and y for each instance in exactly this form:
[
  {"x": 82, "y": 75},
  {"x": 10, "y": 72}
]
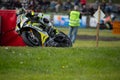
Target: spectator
[
  {"x": 109, "y": 7},
  {"x": 52, "y": 5},
  {"x": 110, "y": 1},
  {"x": 7, "y": 4},
  {"x": 40, "y": 2},
  {"x": 84, "y": 10},
  {"x": 74, "y": 23},
  {"x": 25, "y": 4},
  {"x": 45, "y": 5},
  {"x": 91, "y": 10},
  {"x": 76, "y": 2},
  {"x": 96, "y": 4},
  {"x": 0, "y": 1},
  {"x": 67, "y": 5},
  {"x": 31, "y": 4},
  {"x": 103, "y": 5},
  {"x": 58, "y": 6},
  {"x": 17, "y": 4},
  {"x": 83, "y": 2}
]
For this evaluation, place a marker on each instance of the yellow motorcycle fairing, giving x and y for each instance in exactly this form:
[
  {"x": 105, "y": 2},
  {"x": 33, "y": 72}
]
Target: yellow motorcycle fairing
[{"x": 44, "y": 37}]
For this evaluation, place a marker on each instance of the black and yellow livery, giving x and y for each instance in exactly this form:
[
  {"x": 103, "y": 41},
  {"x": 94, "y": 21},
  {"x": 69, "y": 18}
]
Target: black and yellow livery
[{"x": 38, "y": 31}]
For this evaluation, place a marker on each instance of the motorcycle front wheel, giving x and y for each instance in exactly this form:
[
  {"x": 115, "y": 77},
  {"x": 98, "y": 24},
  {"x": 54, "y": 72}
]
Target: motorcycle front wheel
[{"x": 31, "y": 37}]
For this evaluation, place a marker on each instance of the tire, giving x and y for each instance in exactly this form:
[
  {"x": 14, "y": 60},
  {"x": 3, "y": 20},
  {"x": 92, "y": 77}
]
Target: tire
[
  {"x": 31, "y": 41},
  {"x": 59, "y": 40},
  {"x": 66, "y": 40}
]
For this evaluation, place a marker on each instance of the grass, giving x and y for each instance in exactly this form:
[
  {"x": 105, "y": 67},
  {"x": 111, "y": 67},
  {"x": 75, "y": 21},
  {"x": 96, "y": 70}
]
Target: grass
[
  {"x": 92, "y": 32},
  {"x": 89, "y": 31},
  {"x": 92, "y": 44},
  {"x": 83, "y": 61},
  {"x": 25, "y": 63}
]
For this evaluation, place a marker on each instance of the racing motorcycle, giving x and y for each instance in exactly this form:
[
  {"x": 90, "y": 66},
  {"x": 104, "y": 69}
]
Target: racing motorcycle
[{"x": 39, "y": 31}]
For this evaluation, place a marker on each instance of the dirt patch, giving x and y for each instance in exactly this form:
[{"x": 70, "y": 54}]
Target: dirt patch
[{"x": 87, "y": 37}]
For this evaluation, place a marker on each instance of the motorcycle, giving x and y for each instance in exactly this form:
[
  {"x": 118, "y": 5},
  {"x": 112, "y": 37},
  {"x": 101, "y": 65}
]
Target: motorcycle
[{"x": 39, "y": 31}]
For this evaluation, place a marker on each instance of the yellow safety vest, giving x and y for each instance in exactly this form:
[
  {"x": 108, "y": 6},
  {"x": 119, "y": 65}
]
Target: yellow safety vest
[{"x": 74, "y": 19}]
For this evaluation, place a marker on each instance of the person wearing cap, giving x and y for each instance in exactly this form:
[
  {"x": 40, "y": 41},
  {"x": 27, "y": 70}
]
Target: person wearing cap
[{"x": 74, "y": 23}]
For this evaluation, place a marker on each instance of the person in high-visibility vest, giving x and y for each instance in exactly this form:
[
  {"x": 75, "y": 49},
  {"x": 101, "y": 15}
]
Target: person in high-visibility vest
[{"x": 74, "y": 23}]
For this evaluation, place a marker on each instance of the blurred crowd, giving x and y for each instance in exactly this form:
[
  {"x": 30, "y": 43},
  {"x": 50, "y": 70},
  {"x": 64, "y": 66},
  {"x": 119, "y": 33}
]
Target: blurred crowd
[{"x": 60, "y": 6}]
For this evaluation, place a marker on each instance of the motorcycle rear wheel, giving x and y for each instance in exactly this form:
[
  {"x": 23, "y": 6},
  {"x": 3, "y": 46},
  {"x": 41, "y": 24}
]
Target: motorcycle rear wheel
[{"x": 59, "y": 40}]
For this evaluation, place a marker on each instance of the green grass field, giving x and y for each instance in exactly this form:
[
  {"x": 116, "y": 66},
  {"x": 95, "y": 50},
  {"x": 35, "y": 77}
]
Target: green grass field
[
  {"x": 92, "y": 43},
  {"x": 83, "y": 61}
]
